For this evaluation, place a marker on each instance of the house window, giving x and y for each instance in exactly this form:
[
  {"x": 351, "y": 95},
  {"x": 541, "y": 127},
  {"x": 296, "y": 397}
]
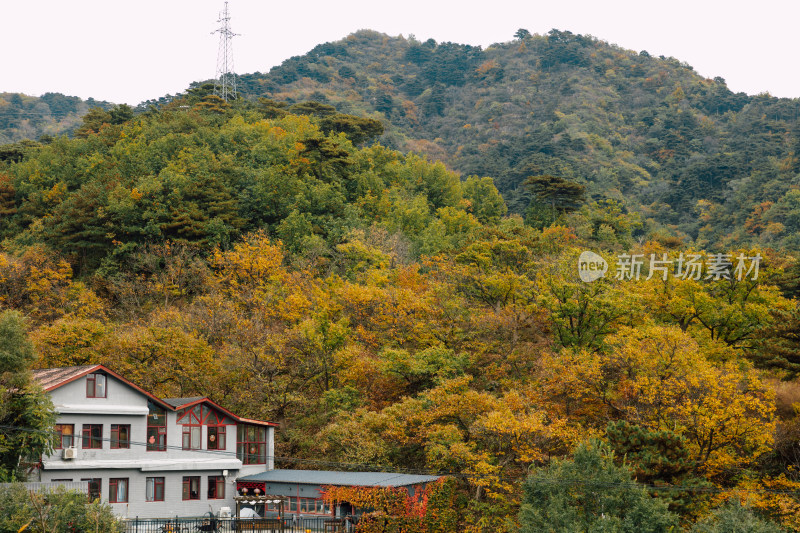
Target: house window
[
  {"x": 216, "y": 488},
  {"x": 275, "y": 507},
  {"x": 154, "y": 489},
  {"x": 308, "y": 506},
  {"x": 251, "y": 444},
  {"x": 216, "y": 438},
  {"x": 65, "y": 438},
  {"x": 96, "y": 386},
  {"x": 118, "y": 490},
  {"x": 191, "y": 487},
  {"x": 94, "y": 488},
  {"x": 92, "y": 436},
  {"x": 120, "y": 436},
  {"x": 156, "y": 429},
  {"x": 191, "y": 437}
]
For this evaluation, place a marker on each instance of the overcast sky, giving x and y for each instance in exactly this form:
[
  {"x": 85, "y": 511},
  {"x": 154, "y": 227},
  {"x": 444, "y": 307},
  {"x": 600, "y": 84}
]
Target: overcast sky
[{"x": 131, "y": 51}]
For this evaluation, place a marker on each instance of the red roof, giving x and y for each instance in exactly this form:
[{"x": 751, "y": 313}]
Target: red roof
[
  {"x": 178, "y": 403},
  {"x": 53, "y": 378}
]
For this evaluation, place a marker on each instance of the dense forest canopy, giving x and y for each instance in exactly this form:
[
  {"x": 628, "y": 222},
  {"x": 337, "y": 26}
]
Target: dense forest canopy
[
  {"x": 390, "y": 310},
  {"x": 685, "y": 152}
]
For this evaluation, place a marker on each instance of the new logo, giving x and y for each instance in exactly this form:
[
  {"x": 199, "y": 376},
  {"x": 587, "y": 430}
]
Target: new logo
[{"x": 591, "y": 266}]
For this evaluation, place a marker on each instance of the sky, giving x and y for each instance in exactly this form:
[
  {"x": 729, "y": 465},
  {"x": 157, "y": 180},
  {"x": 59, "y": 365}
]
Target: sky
[{"x": 130, "y": 51}]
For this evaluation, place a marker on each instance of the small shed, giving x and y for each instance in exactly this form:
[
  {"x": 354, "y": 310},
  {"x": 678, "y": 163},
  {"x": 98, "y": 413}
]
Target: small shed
[{"x": 301, "y": 490}]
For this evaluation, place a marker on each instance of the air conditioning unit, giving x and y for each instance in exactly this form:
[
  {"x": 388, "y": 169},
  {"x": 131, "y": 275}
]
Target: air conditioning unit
[{"x": 70, "y": 453}]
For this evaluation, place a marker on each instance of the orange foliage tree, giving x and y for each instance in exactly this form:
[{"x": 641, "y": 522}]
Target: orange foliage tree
[{"x": 431, "y": 510}]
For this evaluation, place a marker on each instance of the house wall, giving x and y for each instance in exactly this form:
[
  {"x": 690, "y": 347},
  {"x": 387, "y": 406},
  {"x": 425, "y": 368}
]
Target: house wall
[
  {"x": 126, "y": 405},
  {"x": 173, "y": 504}
]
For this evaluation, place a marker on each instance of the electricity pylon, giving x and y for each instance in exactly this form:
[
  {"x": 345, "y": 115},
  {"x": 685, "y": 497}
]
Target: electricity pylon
[{"x": 225, "y": 82}]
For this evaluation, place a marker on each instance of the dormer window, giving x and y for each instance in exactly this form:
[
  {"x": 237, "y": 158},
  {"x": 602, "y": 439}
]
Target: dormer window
[{"x": 96, "y": 386}]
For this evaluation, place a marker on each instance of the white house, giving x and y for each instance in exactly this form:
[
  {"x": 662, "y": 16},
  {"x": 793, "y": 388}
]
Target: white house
[{"x": 146, "y": 456}]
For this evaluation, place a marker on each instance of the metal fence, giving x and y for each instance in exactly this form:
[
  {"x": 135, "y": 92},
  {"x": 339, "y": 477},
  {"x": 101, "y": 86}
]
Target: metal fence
[
  {"x": 230, "y": 525},
  {"x": 52, "y": 486}
]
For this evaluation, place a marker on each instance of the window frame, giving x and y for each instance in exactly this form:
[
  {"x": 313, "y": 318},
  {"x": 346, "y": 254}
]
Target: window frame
[
  {"x": 157, "y": 432},
  {"x": 95, "y": 443},
  {"x": 244, "y": 443},
  {"x": 187, "y": 488},
  {"x": 118, "y": 443},
  {"x": 157, "y": 483},
  {"x": 114, "y": 485},
  {"x": 308, "y": 505},
  {"x": 92, "y": 388},
  {"x": 59, "y": 430},
  {"x": 220, "y": 434},
  {"x": 217, "y": 483},
  {"x": 97, "y": 482},
  {"x": 189, "y": 430}
]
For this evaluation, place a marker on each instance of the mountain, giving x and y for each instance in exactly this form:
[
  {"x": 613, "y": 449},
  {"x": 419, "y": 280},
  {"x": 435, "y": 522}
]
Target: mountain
[
  {"x": 642, "y": 134},
  {"x": 30, "y": 117},
  {"x": 695, "y": 159}
]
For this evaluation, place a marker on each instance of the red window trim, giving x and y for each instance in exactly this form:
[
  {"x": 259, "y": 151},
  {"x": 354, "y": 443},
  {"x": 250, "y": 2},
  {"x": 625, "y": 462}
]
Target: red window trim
[
  {"x": 95, "y": 443},
  {"x": 243, "y": 446},
  {"x": 98, "y": 484},
  {"x": 92, "y": 378},
  {"x": 187, "y": 430},
  {"x": 221, "y": 430},
  {"x": 300, "y": 504},
  {"x": 218, "y": 482},
  {"x": 113, "y": 492},
  {"x": 116, "y": 442},
  {"x": 157, "y": 482},
  {"x": 187, "y": 488},
  {"x": 59, "y": 430},
  {"x": 160, "y": 430}
]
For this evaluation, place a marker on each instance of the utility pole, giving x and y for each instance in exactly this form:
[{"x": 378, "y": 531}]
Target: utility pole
[{"x": 225, "y": 81}]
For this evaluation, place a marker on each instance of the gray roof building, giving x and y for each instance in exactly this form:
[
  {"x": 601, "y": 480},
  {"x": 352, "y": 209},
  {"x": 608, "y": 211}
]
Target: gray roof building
[{"x": 353, "y": 479}]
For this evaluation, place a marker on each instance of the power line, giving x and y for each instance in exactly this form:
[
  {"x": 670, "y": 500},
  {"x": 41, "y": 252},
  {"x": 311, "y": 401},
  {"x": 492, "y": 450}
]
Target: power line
[{"x": 463, "y": 475}]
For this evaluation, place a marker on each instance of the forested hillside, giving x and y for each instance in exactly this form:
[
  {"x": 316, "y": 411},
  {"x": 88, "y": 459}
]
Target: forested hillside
[
  {"x": 390, "y": 315},
  {"x": 691, "y": 156},
  {"x": 393, "y": 312},
  {"x": 25, "y": 117}
]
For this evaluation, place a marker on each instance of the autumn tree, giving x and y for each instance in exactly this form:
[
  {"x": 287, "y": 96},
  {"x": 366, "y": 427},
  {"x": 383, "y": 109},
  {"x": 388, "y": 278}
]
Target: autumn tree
[
  {"x": 54, "y": 512},
  {"x": 657, "y": 377}
]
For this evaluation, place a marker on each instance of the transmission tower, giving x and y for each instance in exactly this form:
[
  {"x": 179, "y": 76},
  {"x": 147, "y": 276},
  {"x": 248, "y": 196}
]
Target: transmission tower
[{"x": 225, "y": 82}]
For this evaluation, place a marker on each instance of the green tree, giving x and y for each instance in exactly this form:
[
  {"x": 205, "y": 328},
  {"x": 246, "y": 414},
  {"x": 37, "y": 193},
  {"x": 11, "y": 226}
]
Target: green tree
[
  {"x": 26, "y": 413},
  {"x": 589, "y": 493},
  {"x": 121, "y": 113},
  {"x": 779, "y": 343},
  {"x": 733, "y": 517},
  {"x": 552, "y": 197},
  {"x": 58, "y": 511},
  {"x": 485, "y": 202},
  {"x": 93, "y": 121},
  {"x": 522, "y": 34}
]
